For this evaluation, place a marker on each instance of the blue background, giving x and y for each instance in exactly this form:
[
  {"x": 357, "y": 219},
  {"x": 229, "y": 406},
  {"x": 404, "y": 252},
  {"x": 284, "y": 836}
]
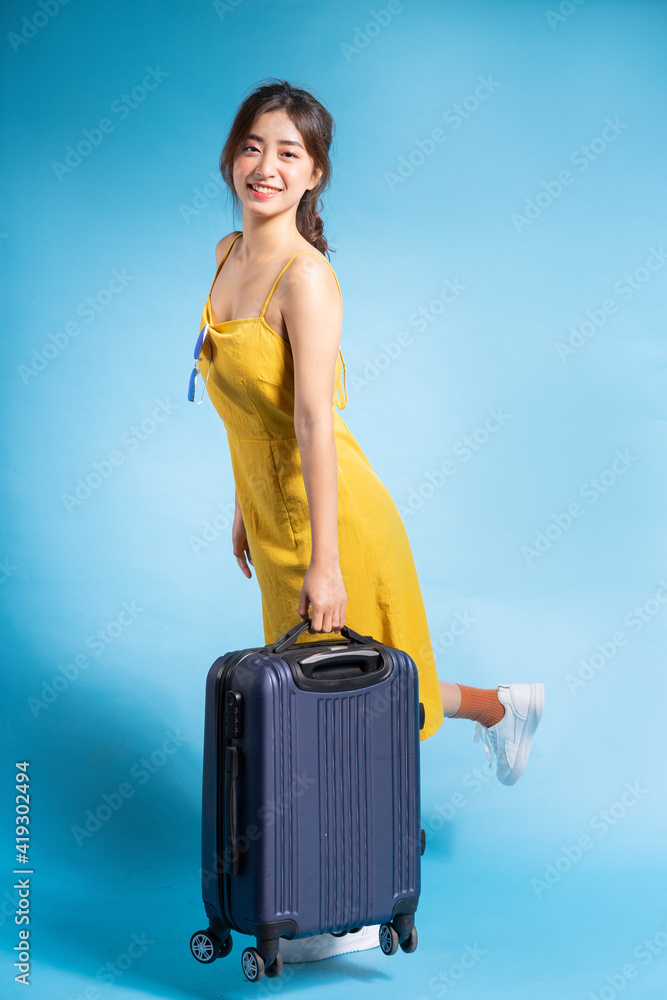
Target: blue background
[{"x": 145, "y": 204}]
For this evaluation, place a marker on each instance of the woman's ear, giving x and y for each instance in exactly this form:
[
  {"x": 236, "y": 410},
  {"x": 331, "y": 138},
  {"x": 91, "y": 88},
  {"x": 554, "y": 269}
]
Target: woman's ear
[{"x": 315, "y": 179}]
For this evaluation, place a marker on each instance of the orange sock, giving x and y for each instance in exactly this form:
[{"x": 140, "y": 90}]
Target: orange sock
[{"x": 480, "y": 704}]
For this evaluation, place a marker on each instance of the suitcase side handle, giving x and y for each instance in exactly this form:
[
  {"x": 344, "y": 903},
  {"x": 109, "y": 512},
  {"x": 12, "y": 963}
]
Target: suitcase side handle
[
  {"x": 288, "y": 638},
  {"x": 231, "y": 774}
]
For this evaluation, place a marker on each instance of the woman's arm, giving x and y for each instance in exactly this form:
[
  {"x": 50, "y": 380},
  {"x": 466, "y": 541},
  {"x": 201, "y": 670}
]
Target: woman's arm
[
  {"x": 313, "y": 314},
  {"x": 240, "y": 539}
]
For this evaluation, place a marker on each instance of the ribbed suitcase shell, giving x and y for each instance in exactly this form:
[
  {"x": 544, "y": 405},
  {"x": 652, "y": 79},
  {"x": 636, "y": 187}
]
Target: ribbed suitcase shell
[{"x": 327, "y": 795}]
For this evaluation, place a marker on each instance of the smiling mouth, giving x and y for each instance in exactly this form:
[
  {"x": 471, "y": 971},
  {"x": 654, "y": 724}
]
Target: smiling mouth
[{"x": 264, "y": 188}]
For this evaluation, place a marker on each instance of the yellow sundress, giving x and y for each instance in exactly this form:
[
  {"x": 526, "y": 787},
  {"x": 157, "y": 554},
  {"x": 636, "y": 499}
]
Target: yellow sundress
[{"x": 251, "y": 385}]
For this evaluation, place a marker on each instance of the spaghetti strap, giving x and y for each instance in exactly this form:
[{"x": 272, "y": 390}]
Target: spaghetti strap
[
  {"x": 275, "y": 283},
  {"x": 341, "y": 385},
  {"x": 342, "y": 396},
  {"x": 224, "y": 258}
]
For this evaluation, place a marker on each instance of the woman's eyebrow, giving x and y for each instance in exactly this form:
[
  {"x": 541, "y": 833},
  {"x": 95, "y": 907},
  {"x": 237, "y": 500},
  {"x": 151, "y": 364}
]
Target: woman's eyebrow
[{"x": 283, "y": 142}]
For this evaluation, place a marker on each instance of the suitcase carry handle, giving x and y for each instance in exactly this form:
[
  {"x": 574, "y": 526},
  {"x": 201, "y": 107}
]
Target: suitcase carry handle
[
  {"x": 334, "y": 665},
  {"x": 288, "y": 638},
  {"x": 339, "y": 667}
]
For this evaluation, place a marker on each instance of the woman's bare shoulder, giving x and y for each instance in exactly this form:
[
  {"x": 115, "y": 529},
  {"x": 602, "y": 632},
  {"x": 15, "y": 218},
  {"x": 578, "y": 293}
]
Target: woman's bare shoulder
[
  {"x": 311, "y": 278},
  {"x": 305, "y": 265},
  {"x": 222, "y": 246}
]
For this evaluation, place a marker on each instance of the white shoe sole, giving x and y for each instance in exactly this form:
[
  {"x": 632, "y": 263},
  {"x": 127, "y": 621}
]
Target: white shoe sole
[
  {"x": 320, "y": 946},
  {"x": 533, "y": 717}
]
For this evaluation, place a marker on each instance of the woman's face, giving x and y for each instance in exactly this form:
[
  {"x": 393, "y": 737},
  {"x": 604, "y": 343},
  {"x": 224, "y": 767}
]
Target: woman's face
[{"x": 273, "y": 156}]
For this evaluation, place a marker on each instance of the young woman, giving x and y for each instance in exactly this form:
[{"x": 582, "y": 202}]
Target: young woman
[{"x": 312, "y": 517}]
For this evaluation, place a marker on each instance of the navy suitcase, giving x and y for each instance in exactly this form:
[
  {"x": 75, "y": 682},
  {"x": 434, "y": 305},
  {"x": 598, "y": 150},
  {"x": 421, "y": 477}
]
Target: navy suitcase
[{"x": 310, "y": 796}]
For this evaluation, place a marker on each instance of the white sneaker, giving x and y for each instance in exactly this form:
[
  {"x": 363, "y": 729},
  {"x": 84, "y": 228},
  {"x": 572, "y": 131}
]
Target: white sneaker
[
  {"x": 510, "y": 739},
  {"x": 312, "y": 949}
]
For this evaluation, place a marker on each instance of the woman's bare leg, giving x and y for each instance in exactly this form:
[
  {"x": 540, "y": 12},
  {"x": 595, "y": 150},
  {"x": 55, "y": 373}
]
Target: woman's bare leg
[{"x": 451, "y": 698}]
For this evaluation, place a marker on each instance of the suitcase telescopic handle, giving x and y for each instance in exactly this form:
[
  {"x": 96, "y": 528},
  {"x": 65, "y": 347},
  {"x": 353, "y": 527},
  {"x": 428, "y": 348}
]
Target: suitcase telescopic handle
[{"x": 288, "y": 638}]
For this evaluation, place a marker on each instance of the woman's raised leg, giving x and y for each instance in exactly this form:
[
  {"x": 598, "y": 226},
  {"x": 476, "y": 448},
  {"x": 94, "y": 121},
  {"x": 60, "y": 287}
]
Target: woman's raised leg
[{"x": 505, "y": 719}]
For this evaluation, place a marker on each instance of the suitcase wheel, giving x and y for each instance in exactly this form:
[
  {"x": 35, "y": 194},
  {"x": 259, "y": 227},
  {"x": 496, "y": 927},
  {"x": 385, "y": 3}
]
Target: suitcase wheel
[
  {"x": 252, "y": 964},
  {"x": 206, "y": 947},
  {"x": 410, "y": 942},
  {"x": 275, "y": 968},
  {"x": 388, "y": 939}
]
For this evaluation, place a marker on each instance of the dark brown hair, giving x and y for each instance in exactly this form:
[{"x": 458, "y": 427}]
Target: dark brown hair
[{"x": 316, "y": 127}]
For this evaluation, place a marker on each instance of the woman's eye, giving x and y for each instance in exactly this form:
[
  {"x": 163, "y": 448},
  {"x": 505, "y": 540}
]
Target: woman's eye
[{"x": 287, "y": 151}]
